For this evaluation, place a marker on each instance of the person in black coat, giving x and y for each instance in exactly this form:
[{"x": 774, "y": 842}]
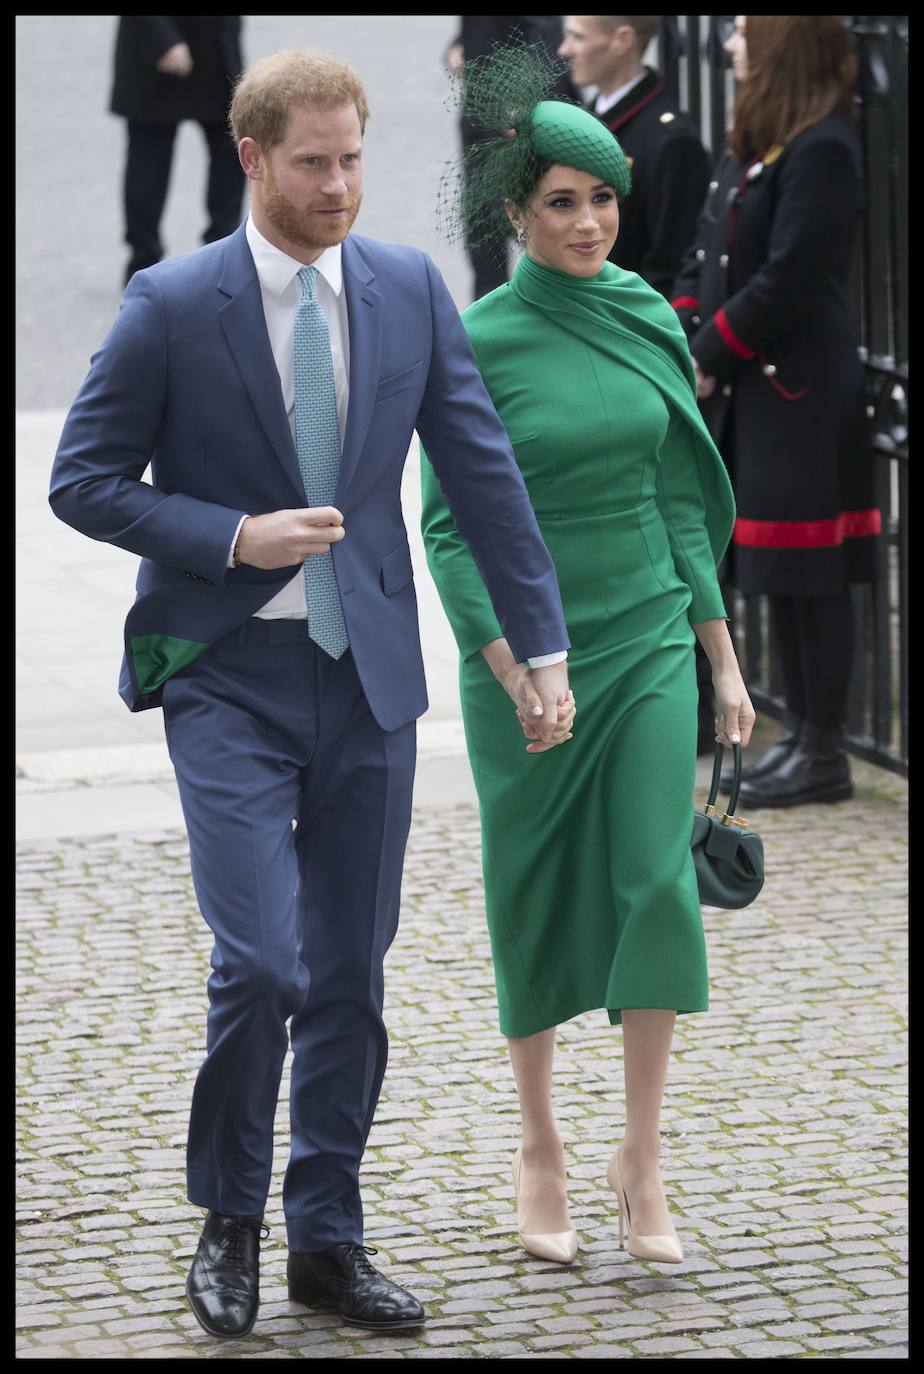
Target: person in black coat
[
  {"x": 171, "y": 67},
  {"x": 477, "y": 35},
  {"x": 670, "y": 167},
  {"x": 764, "y": 298}
]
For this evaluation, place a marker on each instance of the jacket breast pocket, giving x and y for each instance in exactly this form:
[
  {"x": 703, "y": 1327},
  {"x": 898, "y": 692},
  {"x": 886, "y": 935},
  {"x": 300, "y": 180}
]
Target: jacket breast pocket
[
  {"x": 390, "y": 386},
  {"x": 397, "y": 570}
]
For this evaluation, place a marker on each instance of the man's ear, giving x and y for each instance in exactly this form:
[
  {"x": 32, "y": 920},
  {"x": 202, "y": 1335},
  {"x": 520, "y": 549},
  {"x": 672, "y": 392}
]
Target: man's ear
[{"x": 250, "y": 156}]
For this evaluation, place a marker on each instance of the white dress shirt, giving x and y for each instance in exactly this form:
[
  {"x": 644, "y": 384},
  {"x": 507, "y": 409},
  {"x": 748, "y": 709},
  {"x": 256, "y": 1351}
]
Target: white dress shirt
[
  {"x": 606, "y": 102},
  {"x": 281, "y": 292}
]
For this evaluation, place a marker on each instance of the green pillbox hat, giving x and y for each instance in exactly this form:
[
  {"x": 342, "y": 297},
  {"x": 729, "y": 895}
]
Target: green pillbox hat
[{"x": 573, "y": 137}]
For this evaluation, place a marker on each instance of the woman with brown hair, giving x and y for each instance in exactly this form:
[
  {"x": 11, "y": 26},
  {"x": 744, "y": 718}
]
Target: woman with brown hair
[{"x": 764, "y": 298}]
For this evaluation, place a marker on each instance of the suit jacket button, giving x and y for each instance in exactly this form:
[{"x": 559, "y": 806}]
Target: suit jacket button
[
  {"x": 695, "y": 319},
  {"x": 700, "y": 255},
  {"x": 768, "y": 370},
  {"x": 723, "y": 260},
  {"x": 713, "y": 186},
  {"x": 726, "y": 389}
]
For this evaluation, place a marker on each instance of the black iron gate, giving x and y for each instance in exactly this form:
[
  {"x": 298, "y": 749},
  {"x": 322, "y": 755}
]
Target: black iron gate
[{"x": 697, "y": 70}]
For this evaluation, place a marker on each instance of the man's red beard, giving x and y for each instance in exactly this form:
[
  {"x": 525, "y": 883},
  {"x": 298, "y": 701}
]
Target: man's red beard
[{"x": 306, "y": 227}]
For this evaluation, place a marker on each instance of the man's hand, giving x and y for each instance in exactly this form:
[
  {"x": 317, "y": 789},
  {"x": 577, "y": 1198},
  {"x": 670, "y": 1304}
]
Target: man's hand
[
  {"x": 552, "y": 685},
  {"x": 705, "y": 386},
  {"x": 563, "y": 727},
  {"x": 286, "y": 537},
  {"x": 176, "y": 61},
  {"x": 541, "y": 696}
]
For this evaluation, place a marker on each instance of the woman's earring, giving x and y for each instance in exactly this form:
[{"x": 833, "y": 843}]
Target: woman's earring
[{"x": 521, "y": 238}]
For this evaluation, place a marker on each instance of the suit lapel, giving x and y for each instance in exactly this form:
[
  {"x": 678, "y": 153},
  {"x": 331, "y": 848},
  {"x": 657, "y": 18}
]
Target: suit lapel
[
  {"x": 364, "y": 313},
  {"x": 244, "y": 325}
]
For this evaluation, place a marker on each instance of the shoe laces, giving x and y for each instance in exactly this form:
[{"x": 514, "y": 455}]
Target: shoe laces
[
  {"x": 357, "y": 1254},
  {"x": 234, "y": 1239}
]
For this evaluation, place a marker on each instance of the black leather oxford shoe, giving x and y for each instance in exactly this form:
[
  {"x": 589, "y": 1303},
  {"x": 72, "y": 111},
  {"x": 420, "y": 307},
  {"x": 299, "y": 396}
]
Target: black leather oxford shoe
[
  {"x": 342, "y": 1279},
  {"x": 223, "y": 1285}
]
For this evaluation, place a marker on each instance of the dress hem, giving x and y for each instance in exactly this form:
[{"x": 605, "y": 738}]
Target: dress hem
[{"x": 596, "y": 1006}]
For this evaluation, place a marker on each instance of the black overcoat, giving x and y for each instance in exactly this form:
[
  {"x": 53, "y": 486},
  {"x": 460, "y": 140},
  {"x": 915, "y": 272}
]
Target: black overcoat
[
  {"x": 142, "y": 93},
  {"x": 763, "y": 295},
  {"x": 670, "y": 171}
]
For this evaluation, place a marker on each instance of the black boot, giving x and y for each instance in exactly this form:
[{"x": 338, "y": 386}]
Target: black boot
[
  {"x": 785, "y": 742},
  {"x": 223, "y": 1285},
  {"x": 817, "y": 770}
]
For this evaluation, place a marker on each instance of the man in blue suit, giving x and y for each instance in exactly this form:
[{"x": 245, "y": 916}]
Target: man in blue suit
[{"x": 273, "y": 380}]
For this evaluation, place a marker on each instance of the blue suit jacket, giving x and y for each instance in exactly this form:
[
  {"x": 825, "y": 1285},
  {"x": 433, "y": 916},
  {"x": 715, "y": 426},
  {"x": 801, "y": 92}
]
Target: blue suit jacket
[{"x": 185, "y": 380}]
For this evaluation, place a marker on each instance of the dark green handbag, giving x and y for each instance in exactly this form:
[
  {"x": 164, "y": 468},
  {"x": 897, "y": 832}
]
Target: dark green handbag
[{"x": 728, "y": 855}]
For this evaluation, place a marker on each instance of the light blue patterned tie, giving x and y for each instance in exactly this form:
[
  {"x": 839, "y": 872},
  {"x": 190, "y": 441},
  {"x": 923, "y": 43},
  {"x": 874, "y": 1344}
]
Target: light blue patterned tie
[{"x": 317, "y": 441}]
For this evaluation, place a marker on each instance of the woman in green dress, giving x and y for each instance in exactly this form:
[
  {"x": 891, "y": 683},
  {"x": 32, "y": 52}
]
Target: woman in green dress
[{"x": 590, "y": 889}]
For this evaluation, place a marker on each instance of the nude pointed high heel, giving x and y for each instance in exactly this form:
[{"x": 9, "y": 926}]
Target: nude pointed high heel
[
  {"x": 560, "y": 1246},
  {"x": 663, "y": 1249}
]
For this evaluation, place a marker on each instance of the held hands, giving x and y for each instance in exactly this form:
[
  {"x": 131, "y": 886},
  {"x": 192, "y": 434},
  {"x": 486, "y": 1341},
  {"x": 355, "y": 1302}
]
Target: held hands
[
  {"x": 176, "y": 61},
  {"x": 545, "y": 706},
  {"x": 562, "y": 731},
  {"x": 284, "y": 538}
]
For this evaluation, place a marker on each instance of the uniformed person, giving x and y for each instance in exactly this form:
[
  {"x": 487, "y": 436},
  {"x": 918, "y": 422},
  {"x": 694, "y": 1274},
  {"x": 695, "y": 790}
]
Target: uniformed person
[
  {"x": 764, "y": 298},
  {"x": 670, "y": 167}
]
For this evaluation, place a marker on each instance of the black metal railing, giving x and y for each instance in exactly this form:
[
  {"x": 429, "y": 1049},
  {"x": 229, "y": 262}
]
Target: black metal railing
[{"x": 697, "y": 70}]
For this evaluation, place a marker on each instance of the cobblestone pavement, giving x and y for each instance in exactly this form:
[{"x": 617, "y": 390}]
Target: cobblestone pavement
[{"x": 783, "y": 1126}]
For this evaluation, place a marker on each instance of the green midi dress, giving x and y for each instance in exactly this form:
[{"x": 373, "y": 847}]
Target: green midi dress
[{"x": 590, "y": 890}]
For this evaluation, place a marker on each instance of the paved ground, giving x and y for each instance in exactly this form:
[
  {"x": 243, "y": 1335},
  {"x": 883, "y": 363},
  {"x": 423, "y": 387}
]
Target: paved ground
[{"x": 783, "y": 1125}]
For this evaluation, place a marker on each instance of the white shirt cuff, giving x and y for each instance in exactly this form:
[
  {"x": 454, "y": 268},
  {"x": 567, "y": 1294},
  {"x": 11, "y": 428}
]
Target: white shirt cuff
[
  {"x": 546, "y": 660},
  {"x": 234, "y": 541}
]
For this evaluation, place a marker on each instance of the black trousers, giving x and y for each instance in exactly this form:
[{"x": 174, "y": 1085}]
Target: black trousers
[
  {"x": 147, "y": 176},
  {"x": 813, "y": 637}
]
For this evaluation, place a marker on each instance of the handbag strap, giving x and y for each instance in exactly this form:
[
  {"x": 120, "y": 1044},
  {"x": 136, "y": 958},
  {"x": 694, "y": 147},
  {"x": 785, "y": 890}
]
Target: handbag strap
[{"x": 716, "y": 778}]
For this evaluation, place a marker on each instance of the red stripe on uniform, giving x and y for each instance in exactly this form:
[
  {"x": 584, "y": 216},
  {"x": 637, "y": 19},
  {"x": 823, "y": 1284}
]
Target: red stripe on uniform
[
  {"x": 807, "y": 534},
  {"x": 730, "y": 338},
  {"x": 685, "y": 303}
]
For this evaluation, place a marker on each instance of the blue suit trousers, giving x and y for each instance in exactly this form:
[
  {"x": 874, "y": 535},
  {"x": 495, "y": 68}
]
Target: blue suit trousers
[{"x": 298, "y": 808}]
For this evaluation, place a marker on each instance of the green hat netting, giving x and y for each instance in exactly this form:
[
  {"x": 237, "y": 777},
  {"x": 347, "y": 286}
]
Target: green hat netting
[{"x": 504, "y": 93}]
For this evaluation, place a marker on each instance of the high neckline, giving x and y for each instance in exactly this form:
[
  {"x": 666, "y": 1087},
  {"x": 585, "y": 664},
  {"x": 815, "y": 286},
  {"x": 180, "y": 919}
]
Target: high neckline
[{"x": 551, "y": 276}]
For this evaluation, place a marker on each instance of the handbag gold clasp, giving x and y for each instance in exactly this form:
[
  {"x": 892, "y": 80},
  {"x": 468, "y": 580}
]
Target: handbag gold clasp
[{"x": 734, "y": 820}]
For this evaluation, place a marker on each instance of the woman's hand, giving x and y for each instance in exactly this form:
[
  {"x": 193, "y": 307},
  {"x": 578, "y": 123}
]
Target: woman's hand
[
  {"x": 705, "y": 386},
  {"x": 735, "y": 715},
  {"x": 563, "y": 728},
  {"x": 517, "y": 681}
]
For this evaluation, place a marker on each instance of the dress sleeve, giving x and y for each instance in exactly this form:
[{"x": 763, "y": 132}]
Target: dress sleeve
[
  {"x": 459, "y": 583},
  {"x": 681, "y": 497}
]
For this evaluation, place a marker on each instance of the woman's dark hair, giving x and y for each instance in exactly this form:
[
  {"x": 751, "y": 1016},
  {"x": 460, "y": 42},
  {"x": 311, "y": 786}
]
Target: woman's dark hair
[{"x": 800, "y": 69}]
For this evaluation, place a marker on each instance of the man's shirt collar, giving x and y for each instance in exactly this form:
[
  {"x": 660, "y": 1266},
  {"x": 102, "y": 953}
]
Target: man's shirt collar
[{"x": 276, "y": 269}]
